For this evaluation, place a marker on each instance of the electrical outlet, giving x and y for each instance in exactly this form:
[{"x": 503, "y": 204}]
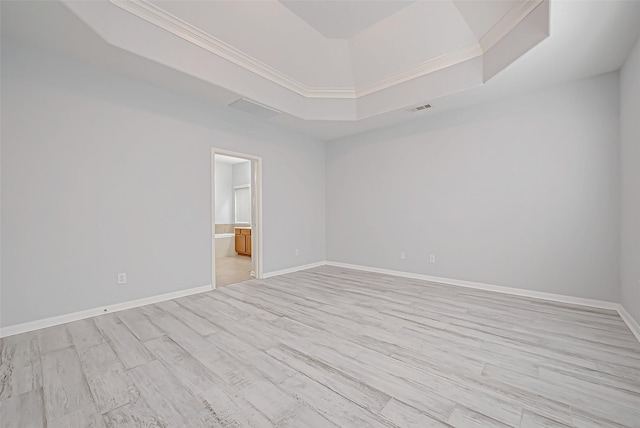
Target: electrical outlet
[
  {"x": 432, "y": 258},
  {"x": 402, "y": 255},
  {"x": 297, "y": 252},
  {"x": 122, "y": 278}
]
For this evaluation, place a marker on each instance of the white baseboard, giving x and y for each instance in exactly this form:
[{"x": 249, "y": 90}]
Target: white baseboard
[
  {"x": 293, "y": 269},
  {"x": 630, "y": 321},
  {"x": 75, "y": 316},
  {"x": 602, "y": 304},
  {"x": 61, "y": 319}
]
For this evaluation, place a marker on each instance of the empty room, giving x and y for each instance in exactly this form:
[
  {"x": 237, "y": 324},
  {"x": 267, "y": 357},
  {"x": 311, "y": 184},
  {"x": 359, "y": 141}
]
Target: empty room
[{"x": 332, "y": 213}]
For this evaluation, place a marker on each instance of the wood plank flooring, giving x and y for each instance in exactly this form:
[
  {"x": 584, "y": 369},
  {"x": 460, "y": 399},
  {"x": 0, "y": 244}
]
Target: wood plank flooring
[{"x": 328, "y": 347}]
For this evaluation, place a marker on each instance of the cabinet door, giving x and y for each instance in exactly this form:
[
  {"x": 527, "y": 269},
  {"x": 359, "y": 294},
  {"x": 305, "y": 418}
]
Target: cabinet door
[
  {"x": 241, "y": 245},
  {"x": 248, "y": 245}
]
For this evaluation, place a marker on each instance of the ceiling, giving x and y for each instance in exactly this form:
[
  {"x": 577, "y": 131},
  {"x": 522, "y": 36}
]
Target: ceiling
[
  {"x": 343, "y": 19},
  {"x": 265, "y": 53},
  {"x": 335, "y": 58}
]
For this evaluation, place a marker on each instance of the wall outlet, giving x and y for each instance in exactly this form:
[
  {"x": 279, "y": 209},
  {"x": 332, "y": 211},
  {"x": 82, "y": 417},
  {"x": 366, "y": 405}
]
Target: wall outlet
[
  {"x": 122, "y": 278},
  {"x": 297, "y": 252},
  {"x": 402, "y": 255},
  {"x": 432, "y": 258}
]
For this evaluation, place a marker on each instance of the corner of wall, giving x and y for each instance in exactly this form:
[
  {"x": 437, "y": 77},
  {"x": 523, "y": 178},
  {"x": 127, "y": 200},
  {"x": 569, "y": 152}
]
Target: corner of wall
[{"x": 629, "y": 291}]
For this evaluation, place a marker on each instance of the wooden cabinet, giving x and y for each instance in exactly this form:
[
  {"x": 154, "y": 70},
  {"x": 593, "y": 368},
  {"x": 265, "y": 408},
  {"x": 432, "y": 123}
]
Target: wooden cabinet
[
  {"x": 243, "y": 241},
  {"x": 241, "y": 244}
]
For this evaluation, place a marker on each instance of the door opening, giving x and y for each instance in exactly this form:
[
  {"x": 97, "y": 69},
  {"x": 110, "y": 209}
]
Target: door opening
[{"x": 236, "y": 217}]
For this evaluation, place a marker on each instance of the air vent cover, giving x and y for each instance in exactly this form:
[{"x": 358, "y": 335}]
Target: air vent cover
[
  {"x": 420, "y": 108},
  {"x": 254, "y": 108}
]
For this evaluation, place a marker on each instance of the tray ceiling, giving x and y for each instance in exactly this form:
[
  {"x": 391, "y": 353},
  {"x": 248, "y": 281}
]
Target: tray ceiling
[{"x": 326, "y": 60}]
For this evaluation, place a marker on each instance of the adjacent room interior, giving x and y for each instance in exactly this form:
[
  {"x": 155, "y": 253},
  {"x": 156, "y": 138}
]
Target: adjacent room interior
[
  {"x": 233, "y": 244},
  {"x": 320, "y": 213}
]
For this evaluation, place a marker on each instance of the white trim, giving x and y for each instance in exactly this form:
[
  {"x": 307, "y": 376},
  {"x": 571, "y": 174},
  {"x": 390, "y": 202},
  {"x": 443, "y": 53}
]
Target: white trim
[
  {"x": 293, "y": 269},
  {"x": 62, "y": 319},
  {"x": 630, "y": 321},
  {"x": 601, "y": 304},
  {"x": 159, "y": 17},
  {"x": 488, "y": 287},
  {"x": 176, "y": 26},
  {"x": 507, "y": 23},
  {"x": 213, "y": 219},
  {"x": 256, "y": 179},
  {"x": 443, "y": 61},
  {"x": 75, "y": 316}
]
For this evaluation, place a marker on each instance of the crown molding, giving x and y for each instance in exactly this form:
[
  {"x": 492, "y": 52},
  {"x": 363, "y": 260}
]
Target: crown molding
[
  {"x": 507, "y": 23},
  {"x": 441, "y": 62},
  {"x": 157, "y": 16}
]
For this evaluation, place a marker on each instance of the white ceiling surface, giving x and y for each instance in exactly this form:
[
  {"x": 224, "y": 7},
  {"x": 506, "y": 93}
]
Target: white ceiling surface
[
  {"x": 586, "y": 38},
  {"x": 342, "y": 44},
  {"x": 417, "y": 34},
  {"x": 266, "y": 53},
  {"x": 343, "y": 19},
  {"x": 273, "y": 35},
  {"x": 480, "y": 14}
]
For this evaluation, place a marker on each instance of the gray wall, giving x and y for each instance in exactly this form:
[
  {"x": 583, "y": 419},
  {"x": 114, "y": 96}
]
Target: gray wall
[
  {"x": 224, "y": 193},
  {"x": 521, "y": 193},
  {"x": 630, "y": 155},
  {"x": 104, "y": 174}
]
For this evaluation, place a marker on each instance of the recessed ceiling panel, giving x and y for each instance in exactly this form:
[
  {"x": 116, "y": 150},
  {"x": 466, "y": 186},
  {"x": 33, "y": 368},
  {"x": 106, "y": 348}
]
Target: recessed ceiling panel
[
  {"x": 482, "y": 15},
  {"x": 423, "y": 32},
  {"x": 267, "y": 33},
  {"x": 343, "y": 19}
]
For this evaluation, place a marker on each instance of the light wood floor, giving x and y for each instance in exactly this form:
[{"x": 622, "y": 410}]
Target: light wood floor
[
  {"x": 328, "y": 347},
  {"x": 232, "y": 269}
]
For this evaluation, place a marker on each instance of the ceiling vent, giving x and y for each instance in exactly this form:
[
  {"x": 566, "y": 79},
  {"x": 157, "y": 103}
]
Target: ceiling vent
[
  {"x": 420, "y": 108},
  {"x": 254, "y": 108}
]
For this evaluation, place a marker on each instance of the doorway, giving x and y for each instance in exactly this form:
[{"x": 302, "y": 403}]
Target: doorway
[{"x": 236, "y": 194}]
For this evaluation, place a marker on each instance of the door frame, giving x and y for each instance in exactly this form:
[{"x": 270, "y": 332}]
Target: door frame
[{"x": 256, "y": 211}]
